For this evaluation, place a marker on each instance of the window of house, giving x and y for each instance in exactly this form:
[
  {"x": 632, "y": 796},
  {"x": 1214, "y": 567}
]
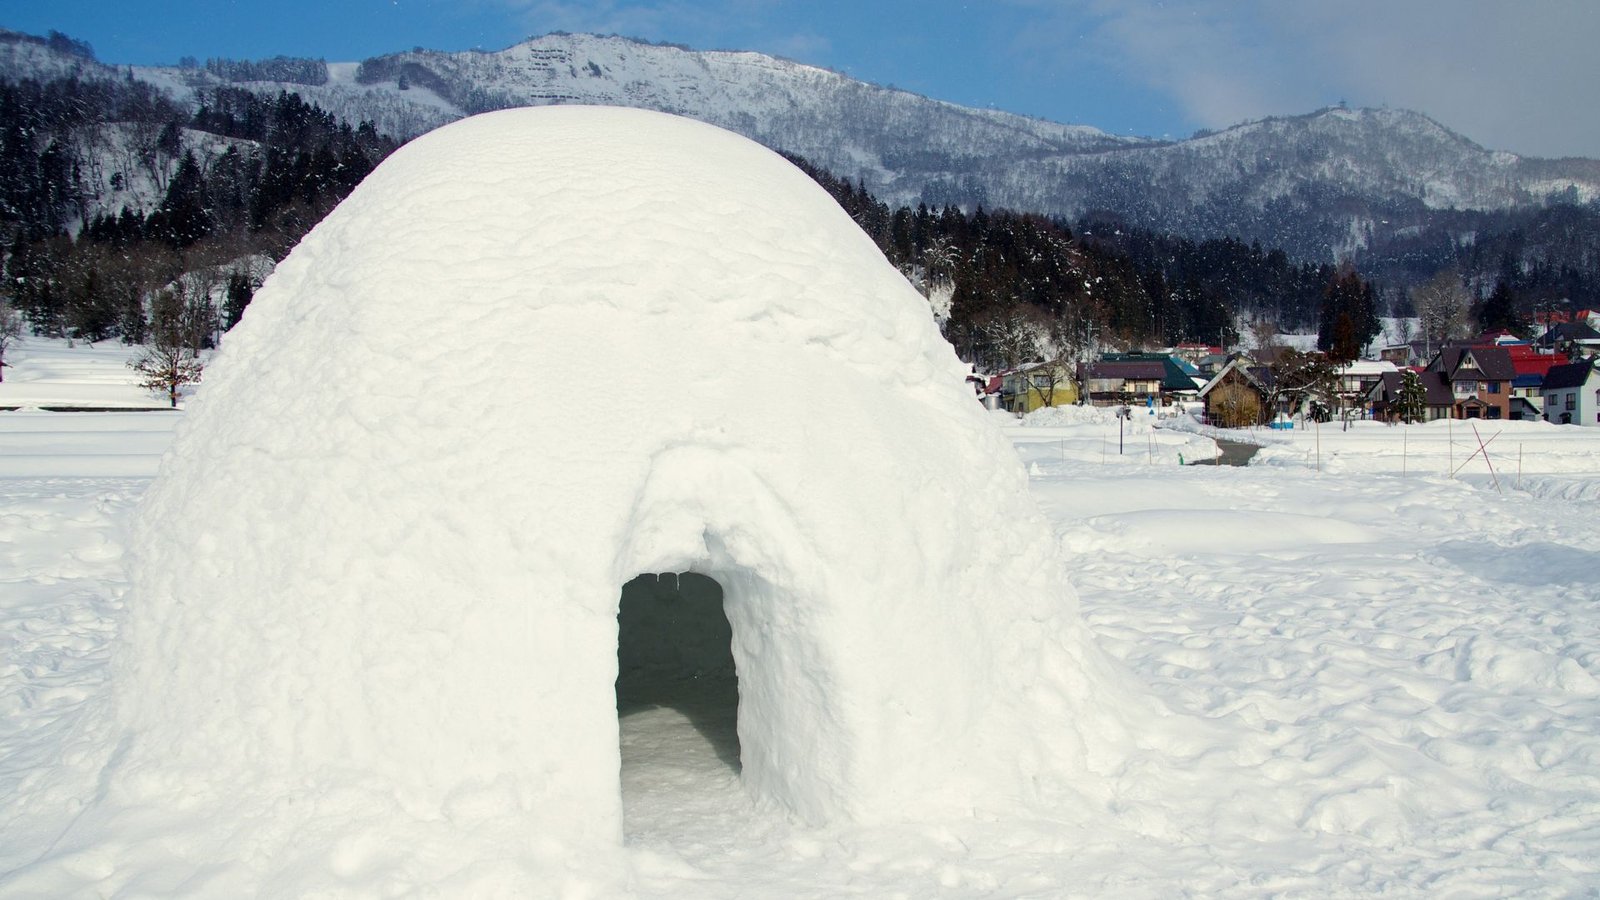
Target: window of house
[
  {"x": 1466, "y": 388},
  {"x": 1572, "y": 400},
  {"x": 1494, "y": 387}
]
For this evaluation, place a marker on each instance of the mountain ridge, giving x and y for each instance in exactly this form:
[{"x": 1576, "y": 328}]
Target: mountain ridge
[{"x": 1324, "y": 185}]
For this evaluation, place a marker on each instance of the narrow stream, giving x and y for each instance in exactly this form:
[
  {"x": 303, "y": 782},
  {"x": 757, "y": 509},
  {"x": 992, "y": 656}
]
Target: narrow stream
[{"x": 1234, "y": 453}]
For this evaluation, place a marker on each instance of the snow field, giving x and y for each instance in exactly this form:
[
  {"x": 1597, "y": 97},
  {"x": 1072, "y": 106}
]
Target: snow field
[
  {"x": 1400, "y": 699},
  {"x": 42, "y": 372},
  {"x": 1442, "y": 448}
]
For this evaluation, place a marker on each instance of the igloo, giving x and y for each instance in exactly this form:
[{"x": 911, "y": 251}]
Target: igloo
[{"x": 535, "y": 354}]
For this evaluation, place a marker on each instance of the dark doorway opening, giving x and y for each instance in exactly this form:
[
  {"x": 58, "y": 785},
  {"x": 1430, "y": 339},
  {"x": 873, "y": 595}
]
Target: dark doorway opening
[{"x": 677, "y": 690}]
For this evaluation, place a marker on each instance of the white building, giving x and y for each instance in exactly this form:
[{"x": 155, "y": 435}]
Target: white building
[{"x": 1572, "y": 394}]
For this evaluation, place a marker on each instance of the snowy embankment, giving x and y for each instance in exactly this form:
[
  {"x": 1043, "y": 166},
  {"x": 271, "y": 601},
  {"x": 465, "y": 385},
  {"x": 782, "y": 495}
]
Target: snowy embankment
[{"x": 1391, "y": 681}]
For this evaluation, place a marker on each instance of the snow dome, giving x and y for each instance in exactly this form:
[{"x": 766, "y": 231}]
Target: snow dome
[{"x": 538, "y": 353}]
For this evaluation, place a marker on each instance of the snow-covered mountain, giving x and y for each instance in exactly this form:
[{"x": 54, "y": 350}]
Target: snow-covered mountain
[{"x": 1320, "y": 185}]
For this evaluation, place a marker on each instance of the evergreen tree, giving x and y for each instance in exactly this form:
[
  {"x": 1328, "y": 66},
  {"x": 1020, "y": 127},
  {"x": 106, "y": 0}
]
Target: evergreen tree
[
  {"x": 91, "y": 310},
  {"x": 184, "y": 216},
  {"x": 1500, "y": 312},
  {"x": 239, "y": 294},
  {"x": 1349, "y": 319},
  {"x": 1412, "y": 403}
]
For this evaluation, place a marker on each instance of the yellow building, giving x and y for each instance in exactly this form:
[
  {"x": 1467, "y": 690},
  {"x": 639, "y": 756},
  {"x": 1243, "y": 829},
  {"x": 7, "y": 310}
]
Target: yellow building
[{"x": 1036, "y": 386}]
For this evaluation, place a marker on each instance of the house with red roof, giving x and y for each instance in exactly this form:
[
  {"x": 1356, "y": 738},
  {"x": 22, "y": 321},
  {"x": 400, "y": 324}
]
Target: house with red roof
[{"x": 1531, "y": 365}]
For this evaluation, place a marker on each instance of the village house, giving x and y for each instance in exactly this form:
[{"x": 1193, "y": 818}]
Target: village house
[
  {"x": 1236, "y": 397},
  {"x": 1037, "y": 385},
  {"x": 1414, "y": 353},
  {"x": 1143, "y": 379},
  {"x": 1357, "y": 378},
  {"x": 1531, "y": 364},
  {"x": 1479, "y": 379},
  {"x": 1573, "y": 338},
  {"x": 1572, "y": 394},
  {"x": 1384, "y": 396}
]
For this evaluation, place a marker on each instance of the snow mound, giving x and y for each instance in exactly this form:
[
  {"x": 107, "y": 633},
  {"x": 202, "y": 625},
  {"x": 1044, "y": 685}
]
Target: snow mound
[{"x": 373, "y": 627}]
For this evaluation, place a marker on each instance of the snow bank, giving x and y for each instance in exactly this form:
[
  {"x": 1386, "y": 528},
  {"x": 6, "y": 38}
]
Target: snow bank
[
  {"x": 1414, "y": 714},
  {"x": 372, "y": 634}
]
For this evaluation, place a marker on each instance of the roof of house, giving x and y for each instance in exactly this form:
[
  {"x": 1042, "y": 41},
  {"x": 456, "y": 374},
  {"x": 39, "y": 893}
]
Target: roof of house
[
  {"x": 1434, "y": 386},
  {"x": 1142, "y": 367},
  {"x": 1494, "y": 363},
  {"x": 1521, "y": 406},
  {"x": 1240, "y": 366},
  {"x": 1366, "y": 367},
  {"x": 1438, "y": 389},
  {"x": 1269, "y": 354},
  {"x": 1570, "y": 375},
  {"x": 1128, "y": 369},
  {"x": 1528, "y": 360},
  {"x": 1569, "y": 331}
]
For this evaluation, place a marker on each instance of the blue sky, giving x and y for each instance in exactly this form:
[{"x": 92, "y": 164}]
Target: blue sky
[{"x": 1513, "y": 75}]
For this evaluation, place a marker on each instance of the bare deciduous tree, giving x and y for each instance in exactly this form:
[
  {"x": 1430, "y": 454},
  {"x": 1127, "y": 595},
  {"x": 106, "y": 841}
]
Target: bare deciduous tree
[
  {"x": 1235, "y": 405},
  {"x": 1015, "y": 335},
  {"x": 10, "y": 329},
  {"x": 169, "y": 361},
  {"x": 1442, "y": 304},
  {"x": 1264, "y": 332}
]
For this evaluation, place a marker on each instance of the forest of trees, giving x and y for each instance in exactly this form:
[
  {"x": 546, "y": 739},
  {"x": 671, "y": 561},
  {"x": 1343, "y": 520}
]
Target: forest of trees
[{"x": 270, "y": 169}]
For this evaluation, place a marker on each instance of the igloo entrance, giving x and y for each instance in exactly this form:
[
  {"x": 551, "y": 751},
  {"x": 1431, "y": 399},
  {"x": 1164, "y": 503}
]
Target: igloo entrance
[{"x": 677, "y": 691}]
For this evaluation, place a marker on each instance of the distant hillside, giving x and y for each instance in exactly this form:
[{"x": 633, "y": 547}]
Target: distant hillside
[{"x": 1323, "y": 185}]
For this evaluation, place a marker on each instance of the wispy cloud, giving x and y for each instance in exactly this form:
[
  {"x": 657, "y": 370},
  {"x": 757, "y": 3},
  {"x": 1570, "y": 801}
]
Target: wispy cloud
[{"x": 1511, "y": 75}]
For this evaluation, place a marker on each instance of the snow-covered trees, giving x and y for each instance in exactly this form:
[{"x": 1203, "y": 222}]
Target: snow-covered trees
[
  {"x": 1305, "y": 383},
  {"x": 1412, "y": 403}
]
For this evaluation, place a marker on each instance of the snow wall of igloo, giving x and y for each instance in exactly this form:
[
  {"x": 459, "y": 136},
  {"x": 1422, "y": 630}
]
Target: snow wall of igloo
[{"x": 534, "y": 354}]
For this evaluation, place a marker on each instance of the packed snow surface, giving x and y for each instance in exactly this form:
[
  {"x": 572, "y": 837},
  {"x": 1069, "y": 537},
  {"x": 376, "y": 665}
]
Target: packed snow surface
[
  {"x": 373, "y": 628},
  {"x": 1418, "y": 708}
]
